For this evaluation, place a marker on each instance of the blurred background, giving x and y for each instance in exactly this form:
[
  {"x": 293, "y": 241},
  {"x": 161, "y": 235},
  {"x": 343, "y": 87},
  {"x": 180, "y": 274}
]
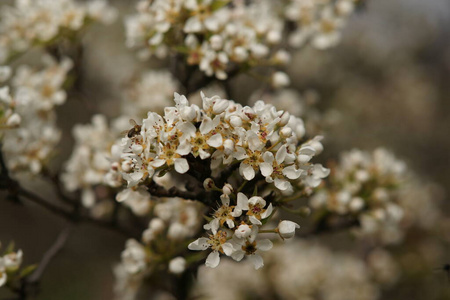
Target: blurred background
[{"x": 387, "y": 84}]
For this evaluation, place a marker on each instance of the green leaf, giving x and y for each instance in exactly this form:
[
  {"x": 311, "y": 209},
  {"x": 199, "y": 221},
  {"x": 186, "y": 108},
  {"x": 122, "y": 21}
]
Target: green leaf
[
  {"x": 219, "y": 4},
  {"x": 10, "y": 247},
  {"x": 27, "y": 270}
]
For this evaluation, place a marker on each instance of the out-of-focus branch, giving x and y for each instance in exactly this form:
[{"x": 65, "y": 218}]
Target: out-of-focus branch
[
  {"x": 48, "y": 256},
  {"x": 196, "y": 195},
  {"x": 330, "y": 226},
  {"x": 76, "y": 218},
  {"x": 74, "y": 215}
]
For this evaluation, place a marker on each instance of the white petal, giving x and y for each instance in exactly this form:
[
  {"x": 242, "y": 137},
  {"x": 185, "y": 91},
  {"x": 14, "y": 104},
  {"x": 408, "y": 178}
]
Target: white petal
[
  {"x": 236, "y": 212},
  {"x": 225, "y": 199},
  {"x": 181, "y": 165},
  {"x": 268, "y": 157},
  {"x": 228, "y": 249},
  {"x": 254, "y": 220},
  {"x": 246, "y": 171},
  {"x": 266, "y": 169},
  {"x": 238, "y": 255},
  {"x": 199, "y": 244},
  {"x": 230, "y": 223},
  {"x": 264, "y": 245},
  {"x": 242, "y": 202},
  {"x": 256, "y": 260},
  {"x": 213, "y": 259},
  {"x": 158, "y": 163},
  {"x": 184, "y": 148},
  {"x": 281, "y": 154},
  {"x": 291, "y": 172},
  {"x": 282, "y": 184},
  {"x": 215, "y": 141},
  {"x": 268, "y": 212}
]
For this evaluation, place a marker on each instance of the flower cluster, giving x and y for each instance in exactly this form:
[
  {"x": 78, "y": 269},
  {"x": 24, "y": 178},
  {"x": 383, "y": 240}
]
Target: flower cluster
[
  {"x": 93, "y": 152},
  {"x": 9, "y": 264},
  {"x": 319, "y": 22},
  {"x": 35, "y": 94},
  {"x": 91, "y": 158},
  {"x": 40, "y": 22},
  {"x": 173, "y": 221},
  {"x": 224, "y": 36},
  {"x": 8, "y": 117},
  {"x": 366, "y": 186},
  {"x": 263, "y": 143},
  {"x": 259, "y": 138},
  {"x": 297, "y": 270},
  {"x": 234, "y": 230},
  {"x": 213, "y": 35},
  {"x": 152, "y": 91}
]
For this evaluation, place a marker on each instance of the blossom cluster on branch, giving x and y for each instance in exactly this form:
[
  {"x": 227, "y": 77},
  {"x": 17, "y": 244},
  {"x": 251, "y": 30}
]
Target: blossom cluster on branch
[
  {"x": 34, "y": 93},
  {"x": 10, "y": 263},
  {"x": 200, "y": 180},
  {"x": 42, "y": 22},
  {"x": 219, "y": 36}
]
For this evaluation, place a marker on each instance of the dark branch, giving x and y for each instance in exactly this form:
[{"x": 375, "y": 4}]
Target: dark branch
[{"x": 48, "y": 256}]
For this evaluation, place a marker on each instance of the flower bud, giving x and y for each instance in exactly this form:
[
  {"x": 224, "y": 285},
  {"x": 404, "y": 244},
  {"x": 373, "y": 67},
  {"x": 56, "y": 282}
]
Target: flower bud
[
  {"x": 216, "y": 42},
  {"x": 280, "y": 79},
  {"x": 177, "y": 265},
  {"x": 273, "y": 36},
  {"x": 240, "y": 54},
  {"x": 227, "y": 189},
  {"x": 284, "y": 118},
  {"x": 5, "y": 73},
  {"x": 220, "y": 106},
  {"x": 209, "y": 184},
  {"x": 286, "y": 132},
  {"x": 259, "y": 50},
  {"x": 282, "y": 57},
  {"x": 14, "y": 120},
  {"x": 157, "y": 225},
  {"x": 356, "y": 204},
  {"x": 235, "y": 121},
  {"x": 126, "y": 166},
  {"x": 286, "y": 229},
  {"x": 243, "y": 231},
  {"x": 115, "y": 166}
]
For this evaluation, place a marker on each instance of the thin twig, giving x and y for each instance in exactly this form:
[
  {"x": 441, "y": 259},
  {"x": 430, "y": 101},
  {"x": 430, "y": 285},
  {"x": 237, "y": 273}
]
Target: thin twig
[{"x": 48, "y": 256}]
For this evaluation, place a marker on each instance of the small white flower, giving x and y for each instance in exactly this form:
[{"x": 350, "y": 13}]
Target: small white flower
[
  {"x": 243, "y": 231},
  {"x": 218, "y": 243},
  {"x": 254, "y": 207},
  {"x": 250, "y": 247}
]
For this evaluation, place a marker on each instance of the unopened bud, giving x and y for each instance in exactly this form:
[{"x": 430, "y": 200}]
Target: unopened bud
[
  {"x": 14, "y": 120},
  {"x": 286, "y": 132},
  {"x": 177, "y": 265},
  {"x": 284, "y": 118},
  {"x": 227, "y": 189},
  {"x": 286, "y": 229},
  {"x": 280, "y": 80},
  {"x": 209, "y": 184}
]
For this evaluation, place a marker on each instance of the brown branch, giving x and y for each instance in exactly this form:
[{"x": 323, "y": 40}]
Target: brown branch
[
  {"x": 75, "y": 218},
  {"x": 159, "y": 191},
  {"x": 48, "y": 256},
  {"x": 330, "y": 225}
]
